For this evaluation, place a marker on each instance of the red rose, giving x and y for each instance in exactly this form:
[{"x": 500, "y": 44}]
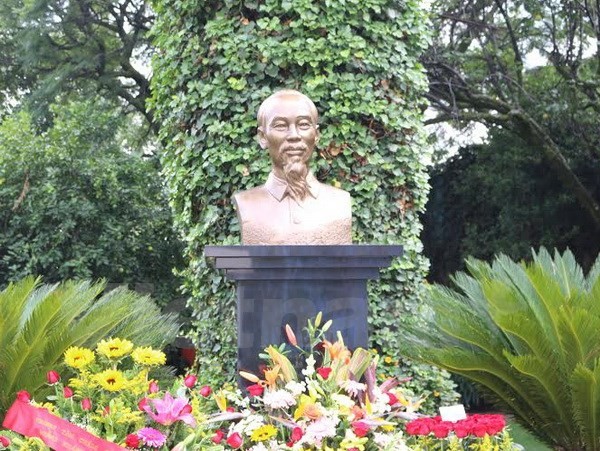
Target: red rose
[
  {"x": 106, "y": 411},
  {"x": 190, "y": 380},
  {"x": 186, "y": 409},
  {"x": 479, "y": 429},
  {"x": 324, "y": 372},
  {"x": 441, "y": 430},
  {"x": 230, "y": 409},
  {"x": 24, "y": 396},
  {"x": 297, "y": 434},
  {"x": 218, "y": 436},
  {"x": 67, "y": 392},
  {"x": 142, "y": 404},
  {"x": 461, "y": 430},
  {"x": 205, "y": 391},
  {"x": 360, "y": 428},
  {"x": 235, "y": 440},
  {"x": 153, "y": 387},
  {"x": 418, "y": 427},
  {"x": 52, "y": 377},
  {"x": 4, "y": 441},
  {"x": 86, "y": 404},
  {"x": 132, "y": 441},
  {"x": 255, "y": 390}
]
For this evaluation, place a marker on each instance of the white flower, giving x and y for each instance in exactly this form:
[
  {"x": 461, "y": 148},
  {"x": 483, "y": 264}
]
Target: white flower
[
  {"x": 390, "y": 442},
  {"x": 310, "y": 366},
  {"x": 353, "y": 387},
  {"x": 248, "y": 424},
  {"x": 381, "y": 403},
  {"x": 278, "y": 399},
  {"x": 318, "y": 430},
  {"x": 295, "y": 388},
  {"x": 342, "y": 400}
]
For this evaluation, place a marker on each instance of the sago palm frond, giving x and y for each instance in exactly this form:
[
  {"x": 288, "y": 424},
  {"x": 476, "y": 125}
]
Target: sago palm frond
[
  {"x": 38, "y": 323},
  {"x": 529, "y": 334}
]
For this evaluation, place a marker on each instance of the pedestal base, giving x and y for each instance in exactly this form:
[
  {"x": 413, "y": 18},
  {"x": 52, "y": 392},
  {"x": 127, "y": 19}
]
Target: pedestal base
[{"x": 279, "y": 285}]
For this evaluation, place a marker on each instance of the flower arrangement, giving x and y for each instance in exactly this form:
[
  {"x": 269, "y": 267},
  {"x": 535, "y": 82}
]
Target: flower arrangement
[
  {"x": 114, "y": 396},
  {"x": 335, "y": 401}
]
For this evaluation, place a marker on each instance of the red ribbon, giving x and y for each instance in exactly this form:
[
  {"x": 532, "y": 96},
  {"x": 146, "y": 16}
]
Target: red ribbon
[{"x": 57, "y": 433}]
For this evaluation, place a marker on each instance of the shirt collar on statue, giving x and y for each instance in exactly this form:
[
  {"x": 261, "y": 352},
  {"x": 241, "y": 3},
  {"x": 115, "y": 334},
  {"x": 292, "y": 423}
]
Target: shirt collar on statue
[{"x": 278, "y": 187}]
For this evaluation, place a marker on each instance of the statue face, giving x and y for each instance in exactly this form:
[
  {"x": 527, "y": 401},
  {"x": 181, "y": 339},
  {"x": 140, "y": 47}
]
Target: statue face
[{"x": 289, "y": 130}]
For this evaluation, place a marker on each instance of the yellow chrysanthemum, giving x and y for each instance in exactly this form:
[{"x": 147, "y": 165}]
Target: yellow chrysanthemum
[
  {"x": 78, "y": 358},
  {"x": 148, "y": 356},
  {"x": 111, "y": 380},
  {"x": 139, "y": 383},
  {"x": 114, "y": 348},
  {"x": 263, "y": 433}
]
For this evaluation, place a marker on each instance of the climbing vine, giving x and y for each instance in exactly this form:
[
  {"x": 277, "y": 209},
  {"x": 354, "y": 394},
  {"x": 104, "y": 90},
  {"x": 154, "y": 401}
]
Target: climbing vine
[{"x": 358, "y": 61}]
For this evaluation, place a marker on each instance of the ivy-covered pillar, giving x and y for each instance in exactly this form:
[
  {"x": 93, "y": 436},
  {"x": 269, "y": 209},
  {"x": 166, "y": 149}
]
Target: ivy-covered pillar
[{"x": 358, "y": 61}]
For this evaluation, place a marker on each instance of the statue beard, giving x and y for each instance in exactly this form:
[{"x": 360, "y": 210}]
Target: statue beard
[{"x": 295, "y": 171}]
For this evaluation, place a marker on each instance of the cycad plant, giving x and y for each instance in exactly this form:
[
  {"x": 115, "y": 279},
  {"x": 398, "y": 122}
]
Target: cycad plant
[
  {"x": 527, "y": 332},
  {"x": 39, "y": 322}
]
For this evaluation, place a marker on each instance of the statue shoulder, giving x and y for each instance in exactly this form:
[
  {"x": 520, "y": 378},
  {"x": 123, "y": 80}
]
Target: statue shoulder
[{"x": 250, "y": 197}]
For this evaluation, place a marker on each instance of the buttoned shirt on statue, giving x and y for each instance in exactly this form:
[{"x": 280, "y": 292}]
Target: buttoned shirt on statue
[{"x": 269, "y": 215}]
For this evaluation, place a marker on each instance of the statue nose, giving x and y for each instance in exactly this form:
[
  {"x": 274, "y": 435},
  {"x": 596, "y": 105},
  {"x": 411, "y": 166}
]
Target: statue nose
[{"x": 293, "y": 133}]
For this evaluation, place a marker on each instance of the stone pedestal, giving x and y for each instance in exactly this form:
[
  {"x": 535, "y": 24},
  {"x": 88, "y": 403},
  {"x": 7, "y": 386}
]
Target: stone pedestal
[{"x": 279, "y": 285}]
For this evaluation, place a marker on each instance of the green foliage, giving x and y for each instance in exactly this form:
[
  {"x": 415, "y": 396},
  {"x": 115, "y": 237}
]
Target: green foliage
[
  {"x": 77, "y": 203},
  {"x": 53, "y": 47},
  {"x": 499, "y": 197},
  {"x": 358, "y": 61},
  {"x": 529, "y": 334},
  {"x": 39, "y": 322}
]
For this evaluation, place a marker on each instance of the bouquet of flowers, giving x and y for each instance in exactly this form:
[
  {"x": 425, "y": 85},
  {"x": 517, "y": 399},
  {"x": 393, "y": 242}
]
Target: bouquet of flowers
[
  {"x": 114, "y": 396},
  {"x": 328, "y": 407},
  {"x": 333, "y": 402}
]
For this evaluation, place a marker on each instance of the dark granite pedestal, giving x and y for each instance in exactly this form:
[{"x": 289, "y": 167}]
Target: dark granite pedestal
[{"x": 279, "y": 285}]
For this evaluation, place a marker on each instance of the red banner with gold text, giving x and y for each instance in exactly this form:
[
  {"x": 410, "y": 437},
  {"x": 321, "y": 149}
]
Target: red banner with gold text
[{"x": 57, "y": 433}]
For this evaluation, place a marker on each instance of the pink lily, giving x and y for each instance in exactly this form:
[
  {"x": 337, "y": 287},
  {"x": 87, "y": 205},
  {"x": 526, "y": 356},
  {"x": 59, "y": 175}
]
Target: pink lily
[{"x": 169, "y": 410}]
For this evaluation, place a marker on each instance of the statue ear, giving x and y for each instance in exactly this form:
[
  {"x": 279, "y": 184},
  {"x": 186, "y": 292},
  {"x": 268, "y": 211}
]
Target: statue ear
[
  {"x": 262, "y": 140},
  {"x": 318, "y": 135}
]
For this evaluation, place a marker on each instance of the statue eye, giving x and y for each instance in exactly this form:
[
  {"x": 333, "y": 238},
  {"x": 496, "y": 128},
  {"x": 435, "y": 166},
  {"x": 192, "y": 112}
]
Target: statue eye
[
  {"x": 305, "y": 125},
  {"x": 280, "y": 126}
]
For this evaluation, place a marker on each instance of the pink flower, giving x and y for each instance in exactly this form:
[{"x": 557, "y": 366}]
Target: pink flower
[
  {"x": 86, "y": 404},
  {"x": 297, "y": 434},
  {"x": 169, "y": 410},
  {"x": 153, "y": 387},
  {"x": 67, "y": 392},
  {"x": 52, "y": 377},
  {"x": 360, "y": 429},
  {"x": 235, "y": 440},
  {"x": 218, "y": 436},
  {"x": 23, "y": 396},
  {"x": 152, "y": 437},
  {"x": 190, "y": 380},
  {"x": 205, "y": 391},
  {"x": 142, "y": 404},
  {"x": 4, "y": 441}
]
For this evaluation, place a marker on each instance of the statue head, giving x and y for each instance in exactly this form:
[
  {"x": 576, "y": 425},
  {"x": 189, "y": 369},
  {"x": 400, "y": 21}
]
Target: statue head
[{"x": 288, "y": 128}]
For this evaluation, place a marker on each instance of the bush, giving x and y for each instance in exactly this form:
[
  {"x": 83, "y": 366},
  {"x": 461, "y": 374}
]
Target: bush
[
  {"x": 529, "y": 333},
  {"x": 76, "y": 202},
  {"x": 39, "y": 322}
]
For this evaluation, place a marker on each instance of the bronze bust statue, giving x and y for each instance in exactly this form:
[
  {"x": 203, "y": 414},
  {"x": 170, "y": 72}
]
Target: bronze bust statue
[{"x": 292, "y": 207}]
